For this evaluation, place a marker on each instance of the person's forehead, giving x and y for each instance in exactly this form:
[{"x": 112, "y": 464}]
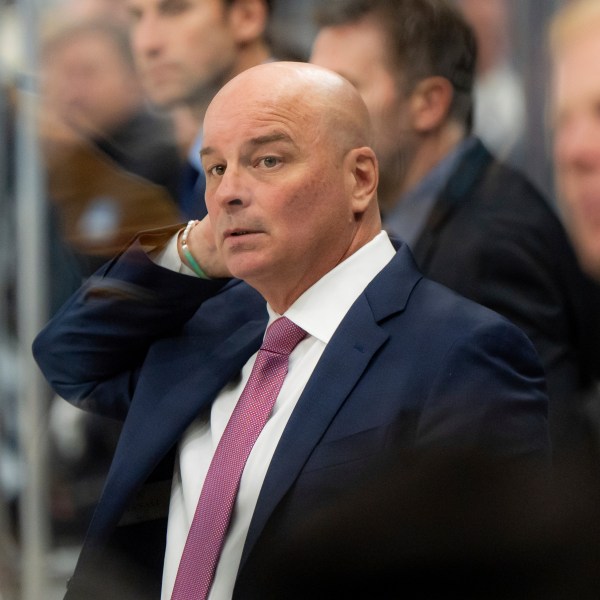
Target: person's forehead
[
  {"x": 139, "y": 4},
  {"x": 91, "y": 41},
  {"x": 346, "y": 36},
  {"x": 166, "y": 4},
  {"x": 299, "y": 98},
  {"x": 576, "y": 61},
  {"x": 246, "y": 141},
  {"x": 85, "y": 48},
  {"x": 252, "y": 126},
  {"x": 355, "y": 50},
  {"x": 261, "y": 94}
]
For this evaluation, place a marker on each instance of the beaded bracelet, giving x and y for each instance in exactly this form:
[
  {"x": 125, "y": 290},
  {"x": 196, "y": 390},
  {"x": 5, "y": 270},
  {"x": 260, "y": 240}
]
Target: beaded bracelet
[{"x": 186, "y": 251}]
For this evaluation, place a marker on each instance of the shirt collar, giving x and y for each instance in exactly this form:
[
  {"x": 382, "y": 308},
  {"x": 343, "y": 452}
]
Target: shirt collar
[{"x": 321, "y": 308}]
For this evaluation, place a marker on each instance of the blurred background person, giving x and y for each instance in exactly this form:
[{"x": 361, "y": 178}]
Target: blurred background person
[
  {"x": 498, "y": 94},
  {"x": 114, "y": 163},
  {"x": 112, "y": 167},
  {"x": 111, "y": 161},
  {"x": 474, "y": 224},
  {"x": 575, "y": 120},
  {"x": 81, "y": 10},
  {"x": 185, "y": 51},
  {"x": 112, "y": 137},
  {"x": 65, "y": 277}
]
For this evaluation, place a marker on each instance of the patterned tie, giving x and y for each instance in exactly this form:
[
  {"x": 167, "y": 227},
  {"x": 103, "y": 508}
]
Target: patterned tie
[{"x": 213, "y": 512}]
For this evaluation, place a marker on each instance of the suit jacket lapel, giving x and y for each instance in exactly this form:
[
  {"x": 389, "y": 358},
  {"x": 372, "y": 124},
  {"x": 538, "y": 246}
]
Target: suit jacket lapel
[
  {"x": 164, "y": 420},
  {"x": 344, "y": 361},
  {"x": 453, "y": 195}
]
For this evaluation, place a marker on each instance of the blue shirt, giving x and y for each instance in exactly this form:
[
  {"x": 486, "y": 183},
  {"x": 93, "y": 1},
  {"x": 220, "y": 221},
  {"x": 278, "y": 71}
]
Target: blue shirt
[{"x": 407, "y": 218}]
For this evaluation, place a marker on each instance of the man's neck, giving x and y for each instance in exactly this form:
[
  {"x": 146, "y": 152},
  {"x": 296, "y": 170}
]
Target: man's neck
[{"x": 431, "y": 148}]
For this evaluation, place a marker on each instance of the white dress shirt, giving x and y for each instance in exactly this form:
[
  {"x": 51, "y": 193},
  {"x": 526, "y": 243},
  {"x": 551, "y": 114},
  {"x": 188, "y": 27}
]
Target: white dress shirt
[{"x": 318, "y": 311}]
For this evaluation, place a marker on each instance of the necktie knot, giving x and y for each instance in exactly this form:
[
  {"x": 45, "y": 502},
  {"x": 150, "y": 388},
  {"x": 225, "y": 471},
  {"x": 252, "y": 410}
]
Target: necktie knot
[{"x": 282, "y": 336}]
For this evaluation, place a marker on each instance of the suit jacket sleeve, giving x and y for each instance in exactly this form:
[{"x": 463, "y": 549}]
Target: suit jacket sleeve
[{"x": 104, "y": 330}]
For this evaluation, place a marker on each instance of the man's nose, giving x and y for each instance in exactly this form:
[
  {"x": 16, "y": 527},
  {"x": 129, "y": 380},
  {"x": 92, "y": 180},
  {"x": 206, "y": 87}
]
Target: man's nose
[
  {"x": 232, "y": 190},
  {"x": 147, "y": 36}
]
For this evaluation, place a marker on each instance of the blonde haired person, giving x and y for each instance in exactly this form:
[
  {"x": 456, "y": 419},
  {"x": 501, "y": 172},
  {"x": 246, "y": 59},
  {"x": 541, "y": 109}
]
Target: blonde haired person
[{"x": 575, "y": 120}]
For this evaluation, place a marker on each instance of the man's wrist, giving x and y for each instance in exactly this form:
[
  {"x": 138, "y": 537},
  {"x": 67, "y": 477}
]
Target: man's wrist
[{"x": 187, "y": 256}]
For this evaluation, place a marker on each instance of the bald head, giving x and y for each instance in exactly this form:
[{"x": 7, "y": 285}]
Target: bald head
[{"x": 319, "y": 98}]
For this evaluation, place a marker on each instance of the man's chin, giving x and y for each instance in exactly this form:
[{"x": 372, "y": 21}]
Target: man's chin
[
  {"x": 161, "y": 96},
  {"x": 247, "y": 270}
]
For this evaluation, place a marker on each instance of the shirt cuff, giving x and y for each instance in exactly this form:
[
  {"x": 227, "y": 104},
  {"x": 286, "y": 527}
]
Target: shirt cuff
[{"x": 168, "y": 258}]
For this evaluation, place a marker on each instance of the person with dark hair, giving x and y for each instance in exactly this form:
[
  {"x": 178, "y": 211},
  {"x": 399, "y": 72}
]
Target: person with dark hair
[
  {"x": 473, "y": 223},
  {"x": 265, "y": 358},
  {"x": 185, "y": 51}
]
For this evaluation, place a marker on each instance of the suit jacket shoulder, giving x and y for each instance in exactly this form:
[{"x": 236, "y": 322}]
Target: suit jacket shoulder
[{"x": 495, "y": 239}]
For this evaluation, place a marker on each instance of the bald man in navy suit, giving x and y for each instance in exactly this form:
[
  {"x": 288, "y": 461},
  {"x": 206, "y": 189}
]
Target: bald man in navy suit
[{"x": 165, "y": 336}]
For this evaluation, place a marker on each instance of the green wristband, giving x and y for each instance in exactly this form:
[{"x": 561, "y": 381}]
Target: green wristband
[{"x": 186, "y": 251}]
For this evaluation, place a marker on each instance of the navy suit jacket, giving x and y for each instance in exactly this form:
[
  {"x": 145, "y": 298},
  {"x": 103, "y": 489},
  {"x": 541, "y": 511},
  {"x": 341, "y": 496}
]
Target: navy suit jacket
[
  {"x": 492, "y": 237},
  {"x": 411, "y": 365}
]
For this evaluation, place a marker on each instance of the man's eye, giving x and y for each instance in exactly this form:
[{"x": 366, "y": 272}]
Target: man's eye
[
  {"x": 269, "y": 161},
  {"x": 217, "y": 170}
]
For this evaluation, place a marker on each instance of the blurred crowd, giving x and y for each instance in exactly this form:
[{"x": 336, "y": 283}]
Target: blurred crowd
[{"x": 119, "y": 135}]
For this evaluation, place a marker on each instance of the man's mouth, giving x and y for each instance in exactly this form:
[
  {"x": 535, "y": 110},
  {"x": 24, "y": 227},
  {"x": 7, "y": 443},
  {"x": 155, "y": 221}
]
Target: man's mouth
[{"x": 238, "y": 232}]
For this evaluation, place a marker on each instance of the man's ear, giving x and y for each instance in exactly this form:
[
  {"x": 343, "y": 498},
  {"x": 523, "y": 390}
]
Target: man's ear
[
  {"x": 363, "y": 177},
  {"x": 430, "y": 103},
  {"x": 248, "y": 20}
]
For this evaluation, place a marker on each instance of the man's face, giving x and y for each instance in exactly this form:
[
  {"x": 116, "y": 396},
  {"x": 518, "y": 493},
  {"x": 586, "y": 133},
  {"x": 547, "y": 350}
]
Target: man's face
[
  {"x": 90, "y": 84},
  {"x": 276, "y": 192},
  {"x": 184, "y": 49},
  {"x": 576, "y": 116},
  {"x": 357, "y": 51}
]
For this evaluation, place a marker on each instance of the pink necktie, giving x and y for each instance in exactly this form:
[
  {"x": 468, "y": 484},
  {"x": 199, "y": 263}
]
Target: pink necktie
[{"x": 213, "y": 513}]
